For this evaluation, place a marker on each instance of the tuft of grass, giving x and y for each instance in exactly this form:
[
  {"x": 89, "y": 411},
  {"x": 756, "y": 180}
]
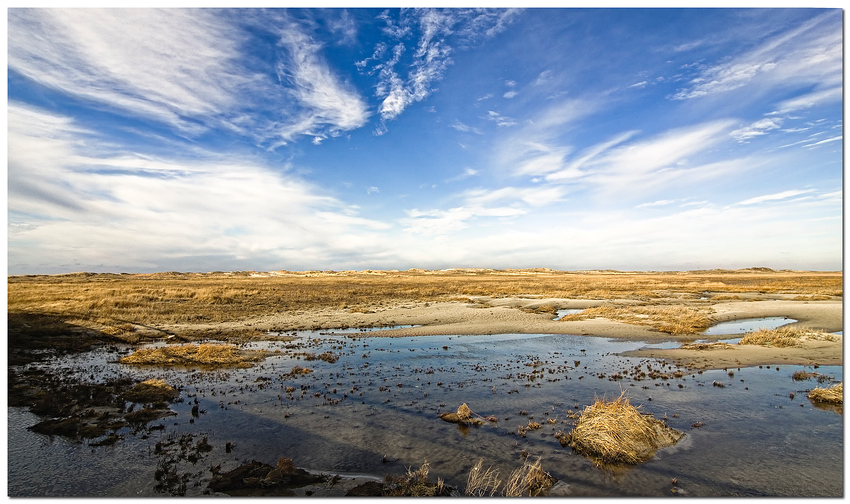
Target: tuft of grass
[
  {"x": 803, "y": 375},
  {"x": 528, "y": 480},
  {"x": 482, "y": 482},
  {"x": 669, "y": 319},
  {"x": 614, "y": 432},
  {"x": 186, "y": 355},
  {"x": 151, "y": 391},
  {"x": 718, "y": 345},
  {"x": 415, "y": 484},
  {"x": 784, "y": 336},
  {"x": 831, "y": 395}
]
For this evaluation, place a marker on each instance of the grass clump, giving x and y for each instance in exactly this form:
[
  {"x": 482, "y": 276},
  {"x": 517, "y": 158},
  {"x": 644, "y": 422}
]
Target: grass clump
[
  {"x": 414, "y": 484},
  {"x": 151, "y": 391},
  {"x": 669, "y": 319},
  {"x": 613, "y": 432},
  {"x": 784, "y": 336},
  {"x": 482, "y": 482},
  {"x": 465, "y": 416},
  {"x": 831, "y": 395},
  {"x": 187, "y": 355},
  {"x": 528, "y": 480},
  {"x": 719, "y": 345}
]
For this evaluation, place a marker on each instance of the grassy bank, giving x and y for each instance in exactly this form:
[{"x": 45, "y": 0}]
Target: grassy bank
[{"x": 115, "y": 304}]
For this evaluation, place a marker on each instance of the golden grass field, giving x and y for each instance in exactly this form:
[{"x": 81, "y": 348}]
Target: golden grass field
[{"x": 114, "y": 303}]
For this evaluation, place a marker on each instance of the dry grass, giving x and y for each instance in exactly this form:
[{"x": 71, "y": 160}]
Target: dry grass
[
  {"x": 528, "y": 480},
  {"x": 150, "y": 391},
  {"x": 482, "y": 482},
  {"x": 464, "y": 415},
  {"x": 616, "y": 432},
  {"x": 187, "y": 355},
  {"x": 121, "y": 304},
  {"x": 831, "y": 395},
  {"x": 785, "y": 337},
  {"x": 669, "y": 319},
  {"x": 414, "y": 484},
  {"x": 706, "y": 346}
]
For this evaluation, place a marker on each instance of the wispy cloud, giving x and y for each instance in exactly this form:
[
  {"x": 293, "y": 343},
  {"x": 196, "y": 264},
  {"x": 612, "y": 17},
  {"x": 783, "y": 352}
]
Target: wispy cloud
[
  {"x": 169, "y": 65},
  {"x": 657, "y": 203},
  {"x": 505, "y": 202},
  {"x": 328, "y": 106},
  {"x": 775, "y": 197},
  {"x": 467, "y": 173},
  {"x": 129, "y": 212},
  {"x": 184, "y": 68},
  {"x": 809, "y": 100},
  {"x": 805, "y": 54},
  {"x": 828, "y": 140},
  {"x": 466, "y": 128},
  {"x": 758, "y": 128},
  {"x": 499, "y": 119},
  {"x": 439, "y": 31}
]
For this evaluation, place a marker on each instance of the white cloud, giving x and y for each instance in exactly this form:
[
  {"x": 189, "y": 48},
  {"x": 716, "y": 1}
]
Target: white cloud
[
  {"x": 758, "y": 128},
  {"x": 656, "y": 203},
  {"x": 122, "y": 211},
  {"x": 639, "y": 84},
  {"x": 329, "y": 106},
  {"x": 499, "y": 119},
  {"x": 828, "y": 140},
  {"x": 809, "y": 100},
  {"x": 438, "y": 30},
  {"x": 510, "y": 94},
  {"x": 183, "y": 68},
  {"x": 168, "y": 65},
  {"x": 467, "y": 173},
  {"x": 573, "y": 169},
  {"x": 809, "y": 54},
  {"x": 465, "y": 128},
  {"x": 774, "y": 197}
]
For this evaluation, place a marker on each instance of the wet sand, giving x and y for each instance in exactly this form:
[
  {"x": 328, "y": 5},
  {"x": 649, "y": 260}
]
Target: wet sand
[{"x": 486, "y": 315}]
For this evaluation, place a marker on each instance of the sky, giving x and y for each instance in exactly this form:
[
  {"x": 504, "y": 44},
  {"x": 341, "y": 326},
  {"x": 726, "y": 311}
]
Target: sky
[{"x": 144, "y": 140}]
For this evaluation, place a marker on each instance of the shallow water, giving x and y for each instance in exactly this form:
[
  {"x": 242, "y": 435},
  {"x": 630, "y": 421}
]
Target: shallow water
[
  {"x": 380, "y": 401},
  {"x": 742, "y": 326},
  {"x": 559, "y": 314}
]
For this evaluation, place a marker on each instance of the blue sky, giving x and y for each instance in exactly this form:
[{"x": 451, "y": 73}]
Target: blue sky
[{"x": 266, "y": 139}]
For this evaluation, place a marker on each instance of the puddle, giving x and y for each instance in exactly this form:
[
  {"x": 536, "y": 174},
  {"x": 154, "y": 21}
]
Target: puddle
[
  {"x": 374, "y": 411},
  {"x": 742, "y": 326},
  {"x": 567, "y": 311}
]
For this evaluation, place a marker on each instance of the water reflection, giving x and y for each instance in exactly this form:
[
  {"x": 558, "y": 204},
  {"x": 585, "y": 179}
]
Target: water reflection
[
  {"x": 374, "y": 411},
  {"x": 742, "y": 326}
]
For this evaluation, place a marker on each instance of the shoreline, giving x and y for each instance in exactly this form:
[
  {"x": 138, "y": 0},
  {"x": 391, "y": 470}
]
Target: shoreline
[{"x": 485, "y": 315}]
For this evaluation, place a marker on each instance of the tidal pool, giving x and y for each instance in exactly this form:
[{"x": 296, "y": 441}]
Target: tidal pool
[
  {"x": 374, "y": 411},
  {"x": 742, "y": 326}
]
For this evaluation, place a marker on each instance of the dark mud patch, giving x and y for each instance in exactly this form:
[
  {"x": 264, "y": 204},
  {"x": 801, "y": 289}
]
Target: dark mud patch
[
  {"x": 259, "y": 479},
  {"x": 80, "y": 410}
]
